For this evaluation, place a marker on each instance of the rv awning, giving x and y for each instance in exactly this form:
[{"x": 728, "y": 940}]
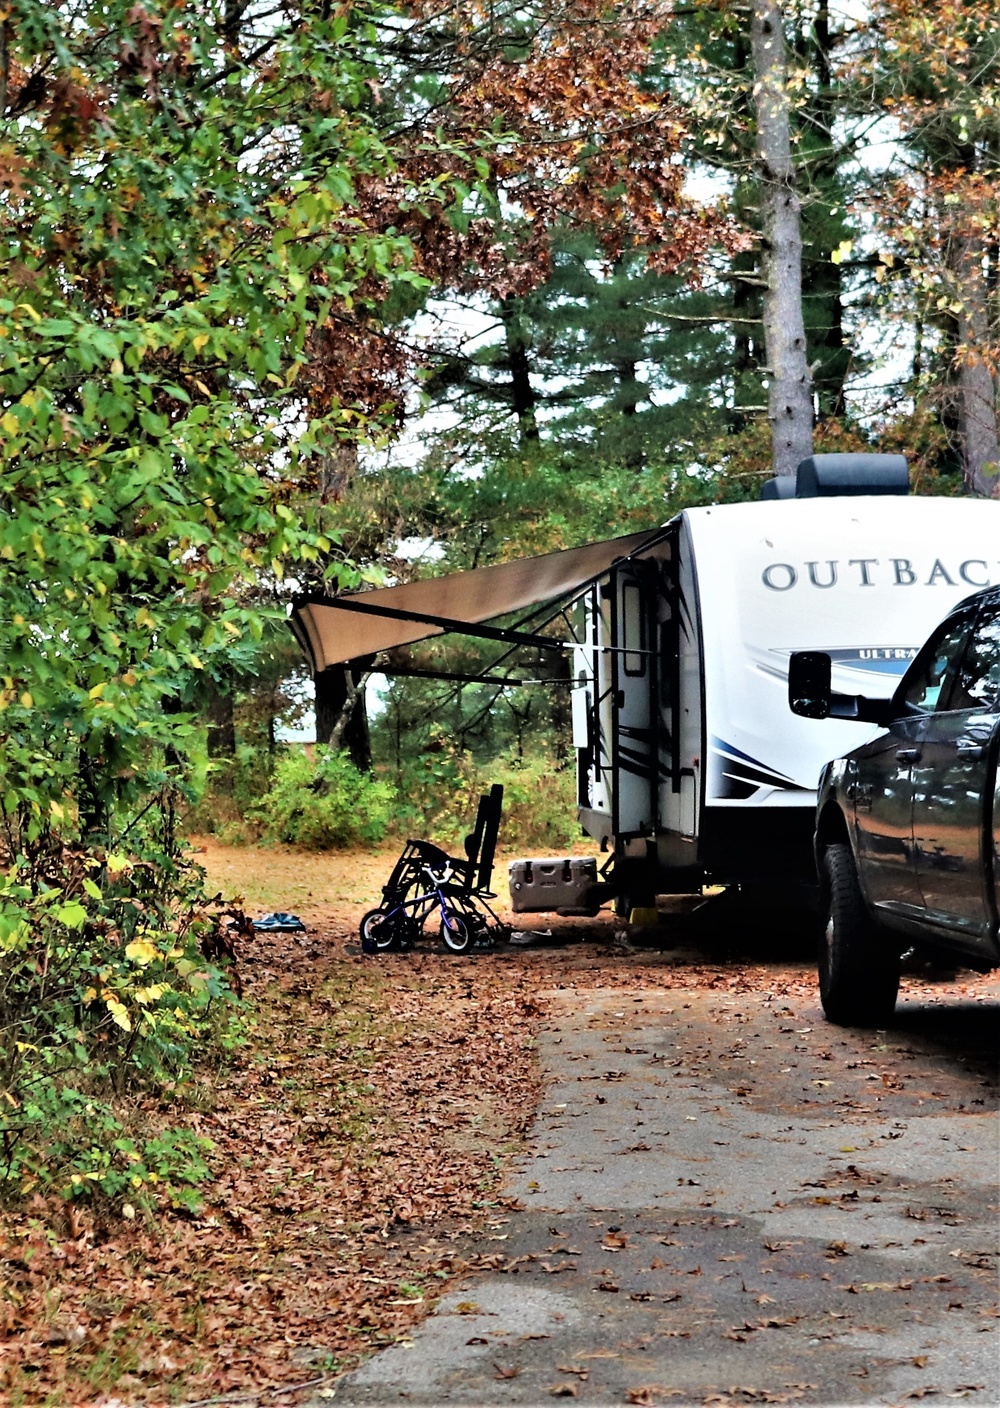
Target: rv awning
[{"x": 334, "y": 630}]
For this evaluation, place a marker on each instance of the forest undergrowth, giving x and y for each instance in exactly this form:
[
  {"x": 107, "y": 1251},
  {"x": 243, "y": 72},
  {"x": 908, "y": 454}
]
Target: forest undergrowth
[{"x": 362, "y": 1128}]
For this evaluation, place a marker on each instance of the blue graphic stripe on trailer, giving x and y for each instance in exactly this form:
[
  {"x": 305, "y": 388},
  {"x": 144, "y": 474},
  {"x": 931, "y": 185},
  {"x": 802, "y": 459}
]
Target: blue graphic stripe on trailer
[
  {"x": 758, "y": 777},
  {"x": 894, "y": 669},
  {"x": 721, "y": 746},
  {"x": 876, "y": 659}
]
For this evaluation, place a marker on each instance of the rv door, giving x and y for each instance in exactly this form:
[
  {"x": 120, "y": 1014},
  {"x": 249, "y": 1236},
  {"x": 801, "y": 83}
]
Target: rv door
[{"x": 634, "y": 702}]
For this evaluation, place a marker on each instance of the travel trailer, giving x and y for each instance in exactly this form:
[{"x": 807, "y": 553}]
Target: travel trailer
[{"x": 691, "y": 768}]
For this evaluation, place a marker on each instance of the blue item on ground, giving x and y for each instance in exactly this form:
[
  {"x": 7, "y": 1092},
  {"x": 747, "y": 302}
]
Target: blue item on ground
[{"x": 279, "y": 923}]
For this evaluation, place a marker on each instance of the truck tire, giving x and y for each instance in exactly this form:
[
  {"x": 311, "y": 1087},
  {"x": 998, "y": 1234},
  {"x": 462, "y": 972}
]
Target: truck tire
[{"x": 858, "y": 965}]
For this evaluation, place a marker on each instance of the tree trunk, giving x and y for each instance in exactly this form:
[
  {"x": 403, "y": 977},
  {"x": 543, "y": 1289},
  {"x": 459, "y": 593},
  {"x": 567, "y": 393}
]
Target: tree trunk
[
  {"x": 630, "y": 389},
  {"x": 824, "y": 278},
  {"x": 217, "y": 701},
  {"x": 334, "y": 688},
  {"x": 338, "y": 468},
  {"x": 790, "y": 409},
  {"x": 977, "y": 388},
  {"x": 520, "y": 370}
]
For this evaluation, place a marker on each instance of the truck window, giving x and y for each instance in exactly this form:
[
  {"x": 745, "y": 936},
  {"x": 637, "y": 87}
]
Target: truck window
[
  {"x": 977, "y": 683},
  {"x": 927, "y": 684}
]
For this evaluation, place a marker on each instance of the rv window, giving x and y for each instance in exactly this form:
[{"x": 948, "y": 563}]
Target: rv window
[{"x": 633, "y": 629}]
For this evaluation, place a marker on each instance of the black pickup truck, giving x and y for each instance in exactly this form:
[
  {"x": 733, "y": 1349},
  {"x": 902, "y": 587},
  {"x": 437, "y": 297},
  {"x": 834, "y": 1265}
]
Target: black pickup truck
[{"x": 908, "y": 826}]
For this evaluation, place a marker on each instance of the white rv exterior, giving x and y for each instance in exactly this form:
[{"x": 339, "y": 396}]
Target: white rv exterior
[{"x": 691, "y": 766}]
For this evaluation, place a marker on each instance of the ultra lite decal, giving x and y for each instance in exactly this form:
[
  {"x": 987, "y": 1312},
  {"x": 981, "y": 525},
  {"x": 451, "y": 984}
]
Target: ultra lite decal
[
  {"x": 887, "y": 661},
  {"x": 875, "y": 659},
  {"x": 875, "y": 571}
]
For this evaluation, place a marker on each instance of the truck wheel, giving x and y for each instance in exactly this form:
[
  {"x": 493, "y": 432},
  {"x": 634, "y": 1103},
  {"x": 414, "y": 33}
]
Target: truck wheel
[{"x": 858, "y": 967}]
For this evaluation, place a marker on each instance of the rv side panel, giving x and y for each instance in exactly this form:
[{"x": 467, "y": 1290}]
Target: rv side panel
[{"x": 862, "y": 578}]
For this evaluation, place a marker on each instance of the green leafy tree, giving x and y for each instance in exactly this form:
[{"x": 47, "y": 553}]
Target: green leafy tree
[
  {"x": 933, "y": 69},
  {"x": 181, "y": 236}
]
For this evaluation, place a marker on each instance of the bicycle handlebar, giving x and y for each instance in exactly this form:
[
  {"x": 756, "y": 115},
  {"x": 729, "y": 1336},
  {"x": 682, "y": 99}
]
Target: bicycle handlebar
[{"x": 439, "y": 879}]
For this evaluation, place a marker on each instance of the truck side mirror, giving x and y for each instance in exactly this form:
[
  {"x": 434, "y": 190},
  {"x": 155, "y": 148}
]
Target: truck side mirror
[{"x": 809, "y": 690}]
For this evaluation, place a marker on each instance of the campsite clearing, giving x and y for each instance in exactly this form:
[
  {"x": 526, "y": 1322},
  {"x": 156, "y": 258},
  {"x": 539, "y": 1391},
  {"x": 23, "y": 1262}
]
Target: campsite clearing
[{"x": 708, "y": 1157}]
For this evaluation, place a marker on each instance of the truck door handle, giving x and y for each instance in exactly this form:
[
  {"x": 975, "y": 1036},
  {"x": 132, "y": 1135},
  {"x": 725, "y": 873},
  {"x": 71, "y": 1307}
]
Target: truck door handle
[
  {"x": 970, "y": 750},
  {"x": 908, "y": 755}
]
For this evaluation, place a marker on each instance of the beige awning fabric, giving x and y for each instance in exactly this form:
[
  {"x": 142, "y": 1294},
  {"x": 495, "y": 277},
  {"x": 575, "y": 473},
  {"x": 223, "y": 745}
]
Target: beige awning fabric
[{"x": 332, "y": 632}]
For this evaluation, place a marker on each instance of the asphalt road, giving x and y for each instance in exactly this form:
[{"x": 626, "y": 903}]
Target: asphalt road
[{"x": 727, "y": 1200}]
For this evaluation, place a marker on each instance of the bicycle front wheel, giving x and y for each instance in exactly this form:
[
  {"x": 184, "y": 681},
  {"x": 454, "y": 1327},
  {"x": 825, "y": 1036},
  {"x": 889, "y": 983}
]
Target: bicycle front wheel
[{"x": 456, "y": 931}]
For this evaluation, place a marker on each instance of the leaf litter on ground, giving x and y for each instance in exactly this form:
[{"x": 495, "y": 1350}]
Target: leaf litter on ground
[{"x": 360, "y": 1136}]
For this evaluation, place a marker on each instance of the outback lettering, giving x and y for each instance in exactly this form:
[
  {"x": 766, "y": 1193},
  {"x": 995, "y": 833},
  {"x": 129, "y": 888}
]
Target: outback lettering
[
  {"x": 974, "y": 562},
  {"x": 780, "y": 586},
  {"x": 864, "y": 563},
  {"x": 937, "y": 571},
  {"x": 875, "y": 572},
  {"x": 832, "y": 574}
]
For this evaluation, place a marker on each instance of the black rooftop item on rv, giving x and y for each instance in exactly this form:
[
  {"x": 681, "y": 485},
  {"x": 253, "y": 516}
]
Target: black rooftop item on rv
[
  {"x": 826, "y": 476},
  {"x": 781, "y": 487}
]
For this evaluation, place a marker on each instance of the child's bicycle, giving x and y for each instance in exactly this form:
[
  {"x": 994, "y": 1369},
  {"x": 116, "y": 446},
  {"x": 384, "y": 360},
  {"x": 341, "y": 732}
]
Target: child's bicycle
[
  {"x": 426, "y": 881},
  {"x": 399, "y": 926}
]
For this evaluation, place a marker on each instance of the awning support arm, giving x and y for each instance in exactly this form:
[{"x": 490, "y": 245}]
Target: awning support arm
[{"x": 502, "y": 681}]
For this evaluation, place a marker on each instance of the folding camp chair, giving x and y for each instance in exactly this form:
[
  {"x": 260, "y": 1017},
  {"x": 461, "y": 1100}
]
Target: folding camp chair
[{"x": 425, "y": 881}]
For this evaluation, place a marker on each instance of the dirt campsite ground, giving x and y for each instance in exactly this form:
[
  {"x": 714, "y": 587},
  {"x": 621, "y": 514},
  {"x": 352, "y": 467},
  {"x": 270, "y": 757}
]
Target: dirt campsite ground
[{"x": 606, "y": 1166}]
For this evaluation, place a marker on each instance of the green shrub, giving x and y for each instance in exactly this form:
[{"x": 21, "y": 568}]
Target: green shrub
[
  {"x": 75, "y": 1143},
  {"x": 539, "y": 805},
  {"x": 105, "y": 993},
  {"x": 323, "y": 802},
  {"x": 233, "y": 787},
  {"x": 442, "y": 791}
]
